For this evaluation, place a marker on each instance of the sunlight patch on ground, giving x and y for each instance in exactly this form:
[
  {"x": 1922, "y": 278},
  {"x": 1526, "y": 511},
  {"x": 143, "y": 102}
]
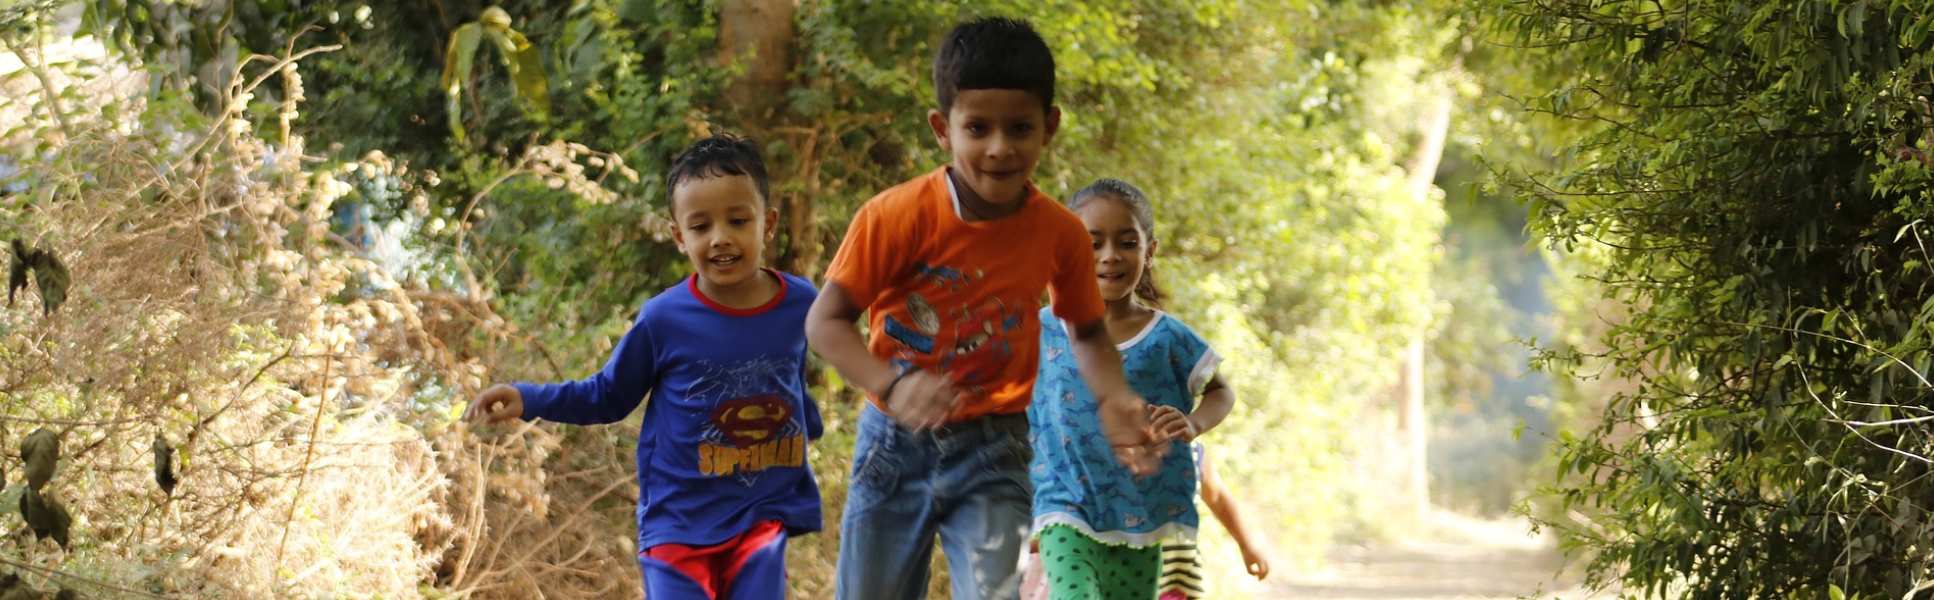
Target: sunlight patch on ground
[{"x": 1451, "y": 557}]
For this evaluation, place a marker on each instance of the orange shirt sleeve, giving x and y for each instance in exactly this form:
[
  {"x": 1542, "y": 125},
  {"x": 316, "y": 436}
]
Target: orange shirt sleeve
[
  {"x": 1072, "y": 290},
  {"x": 873, "y": 252}
]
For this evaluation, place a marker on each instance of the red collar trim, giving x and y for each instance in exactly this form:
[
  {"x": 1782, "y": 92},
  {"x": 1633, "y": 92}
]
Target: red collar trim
[{"x": 780, "y": 296}]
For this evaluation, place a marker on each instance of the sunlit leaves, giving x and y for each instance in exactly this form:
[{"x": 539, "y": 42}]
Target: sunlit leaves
[
  {"x": 1742, "y": 198},
  {"x": 518, "y": 55}
]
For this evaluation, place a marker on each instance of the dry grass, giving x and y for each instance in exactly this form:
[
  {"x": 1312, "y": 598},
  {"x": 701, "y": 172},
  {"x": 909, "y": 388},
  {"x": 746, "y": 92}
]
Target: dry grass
[{"x": 307, "y": 392}]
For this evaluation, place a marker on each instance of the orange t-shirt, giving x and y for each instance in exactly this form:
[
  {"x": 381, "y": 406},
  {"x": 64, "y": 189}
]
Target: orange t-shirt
[{"x": 961, "y": 298}]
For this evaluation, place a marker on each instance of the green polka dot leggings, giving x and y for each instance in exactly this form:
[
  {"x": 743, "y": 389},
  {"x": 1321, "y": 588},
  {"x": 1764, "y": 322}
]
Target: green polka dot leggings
[{"x": 1080, "y": 568}]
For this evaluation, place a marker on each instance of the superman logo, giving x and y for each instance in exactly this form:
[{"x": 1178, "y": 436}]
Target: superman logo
[{"x": 752, "y": 420}]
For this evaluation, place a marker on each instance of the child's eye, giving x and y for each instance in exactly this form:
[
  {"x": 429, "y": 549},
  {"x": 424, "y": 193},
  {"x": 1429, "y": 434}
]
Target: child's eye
[
  {"x": 699, "y": 226},
  {"x": 1022, "y": 129},
  {"x": 1128, "y": 243},
  {"x": 741, "y": 221},
  {"x": 1097, "y": 244},
  {"x": 976, "y": 129}
]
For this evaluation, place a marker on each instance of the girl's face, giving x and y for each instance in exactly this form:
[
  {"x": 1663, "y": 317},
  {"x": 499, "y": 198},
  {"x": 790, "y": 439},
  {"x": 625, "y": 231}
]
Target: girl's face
[{"x": 1121, "y": 246}]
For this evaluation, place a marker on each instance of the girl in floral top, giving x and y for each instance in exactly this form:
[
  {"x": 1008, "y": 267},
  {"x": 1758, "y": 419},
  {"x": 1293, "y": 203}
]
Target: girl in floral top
[{"x": 1098, "y": 527}]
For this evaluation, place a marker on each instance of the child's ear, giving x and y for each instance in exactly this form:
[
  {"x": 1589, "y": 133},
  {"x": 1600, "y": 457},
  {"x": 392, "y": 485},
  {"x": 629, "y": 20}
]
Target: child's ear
[
  {"x": 678, "y": 235},
  {"x": 772, "y": 222},
  {"x": 938, "y": 121},
  {"x": 1152, "y": 246},
  {"x": 1053, "y": 125}
]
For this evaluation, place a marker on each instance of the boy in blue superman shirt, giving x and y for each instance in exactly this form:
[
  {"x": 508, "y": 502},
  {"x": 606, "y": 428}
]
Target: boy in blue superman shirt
[{"x": 722, "y": 471}]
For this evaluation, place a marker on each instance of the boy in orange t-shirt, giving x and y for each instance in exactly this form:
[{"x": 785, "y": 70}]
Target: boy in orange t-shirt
[{"x": 951, "y": 267}]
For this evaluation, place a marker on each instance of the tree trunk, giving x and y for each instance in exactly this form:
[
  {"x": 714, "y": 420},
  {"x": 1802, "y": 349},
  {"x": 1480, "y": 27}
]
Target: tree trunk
[
  {"x": 758, "y": 35},
  {"x": 1434, "y": 125}
]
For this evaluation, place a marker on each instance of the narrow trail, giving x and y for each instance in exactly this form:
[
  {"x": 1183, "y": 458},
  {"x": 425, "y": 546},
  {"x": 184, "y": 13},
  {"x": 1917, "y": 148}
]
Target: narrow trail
[{"x": 1457, "y": 557}]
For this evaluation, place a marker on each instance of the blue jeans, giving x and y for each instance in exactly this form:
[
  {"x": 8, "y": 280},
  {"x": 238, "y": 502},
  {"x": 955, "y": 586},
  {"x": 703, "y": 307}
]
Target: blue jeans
[{"x": 968, "y": 482}]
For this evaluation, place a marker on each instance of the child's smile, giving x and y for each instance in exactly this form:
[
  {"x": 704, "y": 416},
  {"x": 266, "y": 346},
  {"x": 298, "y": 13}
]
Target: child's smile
[
  {"x": 1121, "y": 247},
  {"x": 721, "y": 224},
  {"x": 724, "y": 262},
  {"x": 996, "y": 137}
]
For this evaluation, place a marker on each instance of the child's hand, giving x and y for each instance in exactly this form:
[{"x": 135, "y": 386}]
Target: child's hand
[
  {"x": 1256, "y": 563},
  {"x": 497, "y": 404},
  {"x": 922, "y": 400},
  {"x": 1170, "y": 424},
  {"x": 1124, "y": 420}
]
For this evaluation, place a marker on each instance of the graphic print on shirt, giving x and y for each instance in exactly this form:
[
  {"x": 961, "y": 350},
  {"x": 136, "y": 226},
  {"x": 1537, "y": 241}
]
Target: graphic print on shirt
[
  {"x": 750, "y": 426},
  {"x": 969, "y": 342}
]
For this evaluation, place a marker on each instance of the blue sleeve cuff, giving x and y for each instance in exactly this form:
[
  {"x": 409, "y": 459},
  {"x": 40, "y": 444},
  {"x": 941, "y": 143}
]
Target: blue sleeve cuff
[
  {"x": 537, "y": 400},
  {"x": 815, "y": 424}
]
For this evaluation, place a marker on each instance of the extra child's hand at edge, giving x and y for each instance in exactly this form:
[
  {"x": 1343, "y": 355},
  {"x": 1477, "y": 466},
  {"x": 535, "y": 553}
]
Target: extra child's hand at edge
[
  {"x": 1124, "y": 420},
  {"x": 921, "y": 400},
  {"x": 497, "y": 404},
  {"x": 1171, "y": 424}
]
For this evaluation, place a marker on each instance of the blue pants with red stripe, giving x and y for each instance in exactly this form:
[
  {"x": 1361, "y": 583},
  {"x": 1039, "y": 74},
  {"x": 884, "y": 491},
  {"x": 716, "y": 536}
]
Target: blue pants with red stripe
[{"x": 750, "y": 566}]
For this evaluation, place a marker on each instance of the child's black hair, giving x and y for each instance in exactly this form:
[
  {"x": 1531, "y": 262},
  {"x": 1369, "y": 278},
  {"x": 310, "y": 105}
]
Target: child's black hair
[
  {"x": 1144, "y": 212},
  {"x": 718, "y": 156},
  {"x": 993, "y": 53}
]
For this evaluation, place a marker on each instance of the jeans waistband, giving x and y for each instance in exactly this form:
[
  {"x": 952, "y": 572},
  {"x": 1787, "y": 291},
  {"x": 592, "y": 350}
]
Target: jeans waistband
[{"x": 985, "y": 426}]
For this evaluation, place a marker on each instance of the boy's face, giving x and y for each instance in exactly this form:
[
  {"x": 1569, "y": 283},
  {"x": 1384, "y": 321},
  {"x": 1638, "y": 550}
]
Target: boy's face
[
  {"x": 996, "y": 137},
  {"x": 722, "y": 225}
]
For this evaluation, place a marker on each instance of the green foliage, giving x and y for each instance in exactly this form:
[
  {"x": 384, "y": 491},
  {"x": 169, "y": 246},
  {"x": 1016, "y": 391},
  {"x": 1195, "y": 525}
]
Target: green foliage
[
  {"x": 519, "y": 57},
  {"x": 629, "y": 77},
  {"x": 1749, "y": 189}
]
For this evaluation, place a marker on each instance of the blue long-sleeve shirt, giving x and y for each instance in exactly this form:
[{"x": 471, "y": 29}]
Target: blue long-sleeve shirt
[{"x": 723, "y": 444}]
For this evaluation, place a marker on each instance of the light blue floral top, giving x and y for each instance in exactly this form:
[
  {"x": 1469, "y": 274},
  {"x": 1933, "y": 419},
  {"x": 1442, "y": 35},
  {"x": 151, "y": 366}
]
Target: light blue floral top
[{"x": 1077, "y": 482}]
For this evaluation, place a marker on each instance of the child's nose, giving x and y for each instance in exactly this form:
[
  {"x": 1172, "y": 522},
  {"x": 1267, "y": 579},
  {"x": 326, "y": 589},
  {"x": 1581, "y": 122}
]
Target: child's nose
[{"x": 1000, "y": 147}]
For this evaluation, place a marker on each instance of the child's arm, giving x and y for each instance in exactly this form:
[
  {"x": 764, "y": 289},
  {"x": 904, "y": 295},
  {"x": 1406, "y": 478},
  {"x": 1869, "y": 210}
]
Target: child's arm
[
  {"x": 1124, "y": 414},
  {"x": 874, "y": 254},
  {"x": 917, "y": 399},
  {"x": 1217, "y": 401},
  {"x": 1226, "y": 511},
  {"x": 605, "y": 397}
]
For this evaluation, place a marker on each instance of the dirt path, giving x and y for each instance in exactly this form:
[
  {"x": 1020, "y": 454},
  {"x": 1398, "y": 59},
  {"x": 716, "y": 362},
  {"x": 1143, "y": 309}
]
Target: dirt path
[{"x": 1463, "y": 558}]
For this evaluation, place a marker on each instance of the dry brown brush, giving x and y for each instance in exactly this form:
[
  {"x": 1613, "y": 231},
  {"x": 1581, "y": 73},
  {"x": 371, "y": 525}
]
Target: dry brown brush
[{"x": 305, "y": 390}]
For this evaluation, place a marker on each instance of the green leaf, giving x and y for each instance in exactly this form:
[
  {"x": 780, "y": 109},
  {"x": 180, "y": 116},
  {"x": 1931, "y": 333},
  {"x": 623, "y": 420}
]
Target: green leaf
[
  {"x": 457, "y": 60},
  {"x": 1834, "y": 592},
  {"x": 519, "y": 56},
  {"x": 635, "y": 10},
  {"x": 526, "y": 70},
  {"x": 1902, "y": 232}
]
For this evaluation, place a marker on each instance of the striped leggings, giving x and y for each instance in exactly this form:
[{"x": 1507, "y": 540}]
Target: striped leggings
[{"x": 1181, "y": 573}]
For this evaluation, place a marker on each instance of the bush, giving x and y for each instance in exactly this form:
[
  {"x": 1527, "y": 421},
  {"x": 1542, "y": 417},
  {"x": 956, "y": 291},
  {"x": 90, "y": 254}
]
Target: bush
[{"x": 1750, "y": 191}]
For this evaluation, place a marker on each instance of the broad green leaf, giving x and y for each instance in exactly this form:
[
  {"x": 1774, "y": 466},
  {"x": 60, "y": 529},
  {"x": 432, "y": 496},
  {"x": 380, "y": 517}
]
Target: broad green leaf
[
  {"x": 635, "y": 10},
  {"x": 519, "y": 57},
  {"x": 457, "y": 60},
  {"x": 526, "y": 70}
]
